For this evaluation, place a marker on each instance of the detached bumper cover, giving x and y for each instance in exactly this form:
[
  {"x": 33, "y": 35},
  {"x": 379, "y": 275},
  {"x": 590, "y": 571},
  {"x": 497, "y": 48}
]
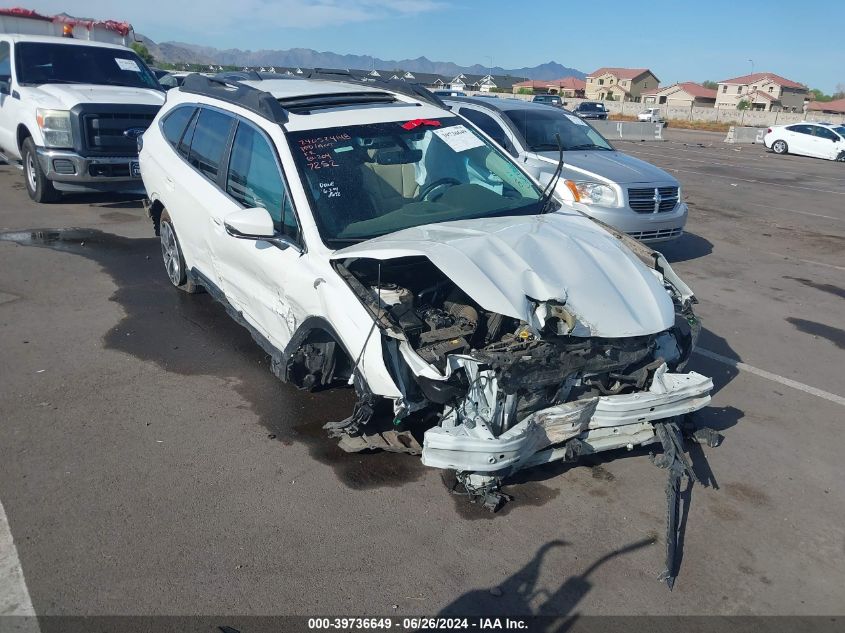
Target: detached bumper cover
[{"x": 600, "y": 423}]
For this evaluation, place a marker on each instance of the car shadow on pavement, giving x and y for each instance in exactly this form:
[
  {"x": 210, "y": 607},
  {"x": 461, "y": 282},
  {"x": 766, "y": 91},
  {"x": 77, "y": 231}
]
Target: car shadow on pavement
[
  {"x": 106, "y": 200},
  {"x": 687, "y": 247},
  {"x": 521, "y": 594}
]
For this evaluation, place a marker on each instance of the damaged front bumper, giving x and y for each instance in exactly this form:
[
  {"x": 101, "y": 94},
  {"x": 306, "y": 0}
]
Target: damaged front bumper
[{"x": 597, "y": 423}]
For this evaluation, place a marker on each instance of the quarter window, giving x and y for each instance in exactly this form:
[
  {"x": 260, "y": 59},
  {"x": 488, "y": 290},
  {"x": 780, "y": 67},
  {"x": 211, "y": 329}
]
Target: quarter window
[
  {"x": 487, "y": 124},
  {"x": 254, "y": 179},
  {"x": 209, "y": 141},
  {"x": 175, "y": 122}
]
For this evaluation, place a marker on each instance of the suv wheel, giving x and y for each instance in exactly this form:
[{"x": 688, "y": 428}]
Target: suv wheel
[
  {"x": 171, "y": 253},
  {"x": 38, "y": 186}
]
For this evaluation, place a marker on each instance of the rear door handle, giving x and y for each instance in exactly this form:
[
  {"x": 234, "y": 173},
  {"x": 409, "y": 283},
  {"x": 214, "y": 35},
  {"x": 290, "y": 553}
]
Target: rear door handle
[{"x": 216, "y": 220}]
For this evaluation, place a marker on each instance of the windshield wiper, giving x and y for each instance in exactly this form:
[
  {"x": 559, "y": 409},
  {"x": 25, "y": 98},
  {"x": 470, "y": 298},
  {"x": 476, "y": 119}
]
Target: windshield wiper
[{"x": 548, "y": 192}]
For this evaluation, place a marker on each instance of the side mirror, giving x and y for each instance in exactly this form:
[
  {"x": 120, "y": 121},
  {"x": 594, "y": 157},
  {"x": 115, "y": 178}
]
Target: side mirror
[{"x": 250, "y": 224}]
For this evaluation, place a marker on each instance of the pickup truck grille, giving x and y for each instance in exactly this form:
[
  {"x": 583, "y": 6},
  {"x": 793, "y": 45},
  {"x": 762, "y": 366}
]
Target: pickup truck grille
[
  {"x": 652, "y": 199},
  {"x": 104, "y": 133}
]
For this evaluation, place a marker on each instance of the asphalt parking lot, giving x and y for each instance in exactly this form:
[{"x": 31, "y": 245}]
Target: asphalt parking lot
[{"x": 151, "y": 464}]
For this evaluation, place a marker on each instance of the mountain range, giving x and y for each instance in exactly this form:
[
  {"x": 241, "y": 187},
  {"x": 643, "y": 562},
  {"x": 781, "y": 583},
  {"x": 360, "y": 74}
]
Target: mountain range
[{"x": 180, "y": 52}]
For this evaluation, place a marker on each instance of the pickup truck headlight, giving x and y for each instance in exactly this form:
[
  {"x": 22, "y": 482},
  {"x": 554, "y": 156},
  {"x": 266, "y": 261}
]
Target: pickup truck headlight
[
  {"x": 596, "y": 193},
  {"x": 55, "y": 126}
]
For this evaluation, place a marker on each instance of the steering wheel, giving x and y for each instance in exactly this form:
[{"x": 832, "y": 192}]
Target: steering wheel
[{"x": 440, "y": 182}]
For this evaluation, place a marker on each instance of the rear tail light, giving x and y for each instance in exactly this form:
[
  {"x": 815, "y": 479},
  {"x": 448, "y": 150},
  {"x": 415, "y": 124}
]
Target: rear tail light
[{"x": 769, "y": 131}]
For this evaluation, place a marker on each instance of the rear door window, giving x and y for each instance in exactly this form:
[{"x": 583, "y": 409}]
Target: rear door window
[
  {"x": 801, "y": 129},
  {"x": 211, "y": 134},
  {"x": 174, "y": 124}
]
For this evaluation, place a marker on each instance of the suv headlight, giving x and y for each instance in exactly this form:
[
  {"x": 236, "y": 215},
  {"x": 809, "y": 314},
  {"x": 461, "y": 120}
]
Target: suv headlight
[
  {"x": 596, "y": 193},
  {"x": 55, "y": 126}
]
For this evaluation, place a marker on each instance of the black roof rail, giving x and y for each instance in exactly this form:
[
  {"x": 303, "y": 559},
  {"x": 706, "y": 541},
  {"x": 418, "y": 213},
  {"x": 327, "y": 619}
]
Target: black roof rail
[{"x": 258, "y": 101}]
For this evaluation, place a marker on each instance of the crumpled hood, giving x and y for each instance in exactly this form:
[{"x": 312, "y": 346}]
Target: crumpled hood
[
  {"x": 501, "y": 262},
  {"x": 614, "y": 166},
  {"x": 65, "y": 96}
]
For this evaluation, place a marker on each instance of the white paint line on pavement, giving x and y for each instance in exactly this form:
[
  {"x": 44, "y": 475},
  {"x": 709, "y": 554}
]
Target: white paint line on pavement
[
  {"x": 794, "y": 384},
  {"x": 806, "y": 261},
  {"x": 758, "y": 182},
  {"x": 14, "y": 596}
]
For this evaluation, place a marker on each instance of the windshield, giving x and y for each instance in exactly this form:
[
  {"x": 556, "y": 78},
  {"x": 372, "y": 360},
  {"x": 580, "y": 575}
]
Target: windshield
[
  {"x": 539, "y": 128},
  {"x": 39, "y": 63},
  {"x": 594, "y": 107},
  {"x": 369, "y": 180}
]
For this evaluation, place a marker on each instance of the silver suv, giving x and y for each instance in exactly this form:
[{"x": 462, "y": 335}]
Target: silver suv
[{"x": 629, "y": 194}]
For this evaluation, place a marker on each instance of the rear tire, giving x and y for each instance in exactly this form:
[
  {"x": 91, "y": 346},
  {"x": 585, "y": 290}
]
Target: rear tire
[
  {"x": 174, "y": 261},
  {"x": 38, "y": 186},
  {"x": 780, "y": 147}
]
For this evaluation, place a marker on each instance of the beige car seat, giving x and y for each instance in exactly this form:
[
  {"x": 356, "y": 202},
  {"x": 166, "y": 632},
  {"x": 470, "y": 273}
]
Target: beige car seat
[{"x": 388, "y": 186}]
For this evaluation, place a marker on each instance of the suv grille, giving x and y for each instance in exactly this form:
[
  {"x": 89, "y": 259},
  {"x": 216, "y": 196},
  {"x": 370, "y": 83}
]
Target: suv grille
[
  {"x": 653, "y": 199},
  {"x": 104, "y": 132}
]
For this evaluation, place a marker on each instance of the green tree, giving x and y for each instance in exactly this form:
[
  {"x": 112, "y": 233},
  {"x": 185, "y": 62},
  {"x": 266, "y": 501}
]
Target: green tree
[
  {"x": 712, "y": 85},
  {"x": 743, "y": 104},
  {"x": 820, "y": 96},
  {"x": 525, "y": 91},
  {"x": 143, "y": 52}
]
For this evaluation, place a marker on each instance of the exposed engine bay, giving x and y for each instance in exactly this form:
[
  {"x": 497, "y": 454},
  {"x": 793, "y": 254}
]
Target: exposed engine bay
[{"x": 504, "y": 393}]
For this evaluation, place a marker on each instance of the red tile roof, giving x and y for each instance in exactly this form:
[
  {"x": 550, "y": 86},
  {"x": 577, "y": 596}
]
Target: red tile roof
[
  {"x": 758, "y": 93},
  {"x": 750, "y": 79},
  {"x": 621, "y": 73},
  {"x": 697, "y": 90},
  {"x": 828, "y": 106}
]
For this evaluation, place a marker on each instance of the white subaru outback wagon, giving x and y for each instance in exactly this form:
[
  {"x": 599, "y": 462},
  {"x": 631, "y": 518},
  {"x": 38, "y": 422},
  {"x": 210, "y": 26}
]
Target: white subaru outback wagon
[{"x": 364, "y": 233}]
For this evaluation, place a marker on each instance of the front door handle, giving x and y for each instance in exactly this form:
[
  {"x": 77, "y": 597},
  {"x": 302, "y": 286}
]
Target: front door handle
[{"x": 216, "y": 220}]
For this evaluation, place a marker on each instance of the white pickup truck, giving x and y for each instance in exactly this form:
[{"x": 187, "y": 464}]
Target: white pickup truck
[{"x": 72, "y": 109}]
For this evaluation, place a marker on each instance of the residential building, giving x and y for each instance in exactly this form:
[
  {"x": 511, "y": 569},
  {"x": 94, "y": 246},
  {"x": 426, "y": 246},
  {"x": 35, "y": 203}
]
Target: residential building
[
  {"x": 828, "y": 107},
  {"x": 762, "y": 91},
  {"x": 686, "y": 94},
  {"x": 566, "y": 87},
  {"x": 620, "y": 84},
  {"x": 484, "y": 83}
]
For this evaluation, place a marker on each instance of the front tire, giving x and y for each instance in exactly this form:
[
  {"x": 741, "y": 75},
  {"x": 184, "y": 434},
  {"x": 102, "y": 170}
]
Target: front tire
[
  {"x": 38, "y": 186},
  {"x": 171, "y": 254},
  {"x": 780, "y": 147}
]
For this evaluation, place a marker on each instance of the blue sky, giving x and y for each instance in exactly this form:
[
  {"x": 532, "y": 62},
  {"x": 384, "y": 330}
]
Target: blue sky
[{"x": 678, "y": 40}]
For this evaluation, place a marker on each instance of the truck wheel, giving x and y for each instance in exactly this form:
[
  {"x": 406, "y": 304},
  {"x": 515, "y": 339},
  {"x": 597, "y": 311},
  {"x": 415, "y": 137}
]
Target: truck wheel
[
  {"x": 171, "y": 253},
  {"x": 38, "y": 186}
]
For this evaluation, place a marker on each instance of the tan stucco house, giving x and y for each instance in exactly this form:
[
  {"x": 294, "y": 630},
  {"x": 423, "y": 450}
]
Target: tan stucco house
[
  {"x": 566, "y": 87},
  {"x": 686, "y": 94},
  {"x": 620, "y": 84},
  {"x": 763, "y": 91}
]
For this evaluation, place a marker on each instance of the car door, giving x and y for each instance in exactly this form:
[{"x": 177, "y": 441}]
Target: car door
[
  {"x": 800, "y": 139},
  {"x": 256, "y": 275},
  {"x": 197, "y": 188},
  {"x": 827, "y": 143}
]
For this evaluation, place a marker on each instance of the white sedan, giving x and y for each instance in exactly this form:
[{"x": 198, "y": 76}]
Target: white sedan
[{"x": 820, "y": 140}]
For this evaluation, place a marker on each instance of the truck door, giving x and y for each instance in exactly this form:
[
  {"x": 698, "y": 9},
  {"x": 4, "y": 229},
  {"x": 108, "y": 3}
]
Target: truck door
[{"x": 8, "y": 104}]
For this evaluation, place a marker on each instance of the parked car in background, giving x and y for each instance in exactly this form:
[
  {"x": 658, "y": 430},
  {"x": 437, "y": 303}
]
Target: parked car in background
[
  {"x": 363, "y": 233},
  {"x": 650, "y": 115},
  {"x": 173, "y": 80},
  {"x": 819, "y": 140},
  {"x": 448, "y": 93},
  {"x": 591, "y": 110},
  {"x": 71, "y": 111},
  {"x": 631, "y": 195},
  {"x": 552, "y": 100}
]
